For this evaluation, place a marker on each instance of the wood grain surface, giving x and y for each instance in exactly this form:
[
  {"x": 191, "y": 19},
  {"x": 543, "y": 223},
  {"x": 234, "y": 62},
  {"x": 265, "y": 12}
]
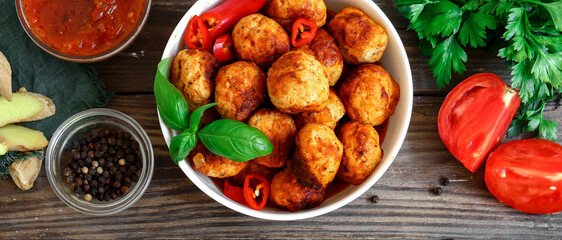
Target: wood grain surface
[{"x": 173, "y": 207}]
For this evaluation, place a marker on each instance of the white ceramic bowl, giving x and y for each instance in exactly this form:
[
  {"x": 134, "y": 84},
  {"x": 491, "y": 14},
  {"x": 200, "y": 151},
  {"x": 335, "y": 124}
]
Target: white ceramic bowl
[{"x": 394, "y": 60}]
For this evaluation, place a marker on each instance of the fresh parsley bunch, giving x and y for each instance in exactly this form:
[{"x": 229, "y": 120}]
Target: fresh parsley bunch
[{"x": 531, "y": 34}]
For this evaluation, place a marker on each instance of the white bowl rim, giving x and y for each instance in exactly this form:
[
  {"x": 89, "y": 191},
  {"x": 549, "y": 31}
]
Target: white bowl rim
[{"x": 406, "y": 103}]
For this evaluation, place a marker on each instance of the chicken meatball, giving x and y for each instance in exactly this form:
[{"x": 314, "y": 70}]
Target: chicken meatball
[
  {"x": 204, "y": 161},
  {"x": 240, "y": 89},
  {"x": 260, "y": 39},
  {"x": 361, "y": 152},
  {"x": 253, "y": 168},
  {"x": 324, "y": 49},
  {"x": 287, "y": 193},
  {"x": 193, "y": 71},
  {"x": 360, "y": 39},
  {"x": 285, "y": 12},
  {"x": 280, "y": 129},
  {"x": 329, "y": 115},
  {"x": 297, "y": 83},
  {"x": 369, "y": 94},
  {"x": 317, "y": 156}
]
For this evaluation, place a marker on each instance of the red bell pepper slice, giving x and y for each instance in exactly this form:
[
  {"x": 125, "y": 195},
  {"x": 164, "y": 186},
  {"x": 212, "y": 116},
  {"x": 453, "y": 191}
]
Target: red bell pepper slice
[
  {"x": 303, "y": 32},
  {"x": 220, "y": 20},
  {"x": 223, "y": 49},
  {"x": 233, "y": 192},
  {"x": 256, "y": 188}
]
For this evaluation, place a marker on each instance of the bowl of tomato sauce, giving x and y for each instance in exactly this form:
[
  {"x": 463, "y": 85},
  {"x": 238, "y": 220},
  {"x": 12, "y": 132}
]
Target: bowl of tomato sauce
[{"x": 83, "y": 30}]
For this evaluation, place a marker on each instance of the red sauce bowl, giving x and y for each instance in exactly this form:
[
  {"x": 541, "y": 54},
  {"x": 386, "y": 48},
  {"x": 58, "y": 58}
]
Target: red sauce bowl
[{"x": 83, "y": 31}]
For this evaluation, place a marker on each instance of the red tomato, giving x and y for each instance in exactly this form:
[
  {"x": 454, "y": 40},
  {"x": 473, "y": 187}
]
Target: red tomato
[
  {"x": 475, "y": 116},
  {"x": 527, "y": 175}
]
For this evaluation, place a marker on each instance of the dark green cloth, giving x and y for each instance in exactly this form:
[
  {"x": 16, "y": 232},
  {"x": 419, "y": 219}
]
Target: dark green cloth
[{"x": 73, "y": 87}]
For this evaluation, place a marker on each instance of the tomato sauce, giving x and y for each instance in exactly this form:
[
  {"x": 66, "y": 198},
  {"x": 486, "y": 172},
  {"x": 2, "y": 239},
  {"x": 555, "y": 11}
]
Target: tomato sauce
[{"x": 83, "y": 27}]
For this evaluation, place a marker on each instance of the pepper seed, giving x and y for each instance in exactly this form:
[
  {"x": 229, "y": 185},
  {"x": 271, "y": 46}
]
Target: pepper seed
[{"x": 437, "y": 191}]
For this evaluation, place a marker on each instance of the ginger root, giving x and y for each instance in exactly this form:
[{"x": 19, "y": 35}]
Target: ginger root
[
  {"x": 5, "y": 78},
  {"x": 25, "y": 107},
  {"x": 25, "y": 172},
  {"x": 18, "y": 138}
]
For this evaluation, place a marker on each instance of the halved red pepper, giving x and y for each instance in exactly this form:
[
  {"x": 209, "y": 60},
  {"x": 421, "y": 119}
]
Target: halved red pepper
[
  {"x": 223, "y": 49},
  {"x": 303, "y": 32},
  {"x": 256, "y": 191},
  {"x": 217, "y": 21},
  {"x": 233, "y": 192}
]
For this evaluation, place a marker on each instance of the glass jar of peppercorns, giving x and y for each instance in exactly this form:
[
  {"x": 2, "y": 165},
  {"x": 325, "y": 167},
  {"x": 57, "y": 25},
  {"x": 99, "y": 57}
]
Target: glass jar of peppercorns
[{"x": 99, "y": 161}]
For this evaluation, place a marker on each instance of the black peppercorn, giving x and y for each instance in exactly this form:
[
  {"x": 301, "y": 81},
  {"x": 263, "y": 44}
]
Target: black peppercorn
[
  {"x": 111, "y": 141},
  {"x": 375, "y": 199},
  {"x": 94, "y": 183},
  {"x": 76, "y": 155},
  {"x": 78, "y": 181},
  {"x": 101, "y": 190},
  {"x": 113, "y": 195},
  {"x": 77, "y": 190},
  {"x": 124, "y": 190},
  {"x": 88, "y": 177},
  {"x": 117, "y": 184},
  {"x": 445, "y": 181},
  {"x": 83, "y": 154},
  {"x": 67, "y": 171},
  {"x": 80, "y": 163},
  {"x": 437, "y": 191},
  {"x": 106, "y": 197},
  {"x": 87, "y": 161},
  {"x": 69, "y": 180},
  {"x": 86, "y": 187}
]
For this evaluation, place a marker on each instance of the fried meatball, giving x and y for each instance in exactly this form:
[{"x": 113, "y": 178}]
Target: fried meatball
[
  {"x": 253, "y": 168},
  {"x": 317, "y": 156},
  {"x": 280, "y": 129},
  {"x": 287, "y": 193},
  {"x": 240, "y": 89},
  {"x": 369, "y": 94},
  {"x": 324, "y": 49},
  {"x": 297, "y": 83},
  {"x": 361, "y": 152},
  {"x": 260, "y": 39},
  {"x": 359, "y": 38},
  {"x": 204, "y": 161},
  {"x": 285, "y": 12},
  {"x": 192, "y": 73},
  {"x": 329, "y": 115}
]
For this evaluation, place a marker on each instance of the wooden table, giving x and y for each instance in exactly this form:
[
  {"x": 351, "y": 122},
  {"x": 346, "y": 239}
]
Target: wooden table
[{"x": 173, "y": 207}]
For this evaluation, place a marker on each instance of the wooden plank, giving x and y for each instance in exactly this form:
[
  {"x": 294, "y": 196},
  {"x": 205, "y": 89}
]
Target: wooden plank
[{"x": 173, "y": 207}]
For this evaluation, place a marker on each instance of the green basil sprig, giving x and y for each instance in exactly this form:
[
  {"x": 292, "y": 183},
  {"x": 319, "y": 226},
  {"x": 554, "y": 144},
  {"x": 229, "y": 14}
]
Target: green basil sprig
[
  {"x": 235, "y": 140},
  {"x": 227, "y": 138},
  {"x": 171, "y": 104}
]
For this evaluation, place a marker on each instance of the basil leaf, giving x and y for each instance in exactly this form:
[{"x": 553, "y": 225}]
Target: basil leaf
[
  {"x": 235, "y": 140},
  {"x": 171, "y": 104},
  {"x": 182, "y": 144},
  {"x": 196, "y": 115}
]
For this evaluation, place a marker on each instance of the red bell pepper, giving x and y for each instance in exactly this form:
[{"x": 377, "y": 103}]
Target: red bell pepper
[
  {"x": 303, "y": 32},
  {"x": 223, "y": 49},
  {"x": 217, "y": 21},
  {"x": 256, "y": 187},
  {"x": 233, "y": 192}
]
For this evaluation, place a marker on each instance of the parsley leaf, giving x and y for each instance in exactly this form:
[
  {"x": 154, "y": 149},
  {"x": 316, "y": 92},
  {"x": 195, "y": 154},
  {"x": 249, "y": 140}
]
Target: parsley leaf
[
  {"x": 473, "y": 30},
  {"x": 446, "y": 55},
  {"x": 446, "y": 19}
]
